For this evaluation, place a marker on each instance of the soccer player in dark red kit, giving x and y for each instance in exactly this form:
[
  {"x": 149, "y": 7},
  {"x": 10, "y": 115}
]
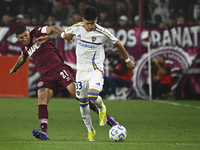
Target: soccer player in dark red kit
[{"x": 54, "y": 72}]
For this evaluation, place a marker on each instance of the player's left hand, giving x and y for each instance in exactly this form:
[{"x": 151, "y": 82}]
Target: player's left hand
[
  {"x": 13, "y": 71},
  {"x": 40, "y": 40},
  {"x": 68, "y": 37},
  {"x": 130, "y": 64}
]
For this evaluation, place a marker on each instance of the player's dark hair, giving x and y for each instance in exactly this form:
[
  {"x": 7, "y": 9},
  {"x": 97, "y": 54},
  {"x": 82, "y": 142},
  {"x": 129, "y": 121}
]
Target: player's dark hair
[
  {"x": 20, "y": 29},
  {"x": 90, "y": 13}
]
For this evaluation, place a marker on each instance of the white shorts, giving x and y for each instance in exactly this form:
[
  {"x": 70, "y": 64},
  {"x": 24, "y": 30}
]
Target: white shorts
[{"x": 86, "y": 80}]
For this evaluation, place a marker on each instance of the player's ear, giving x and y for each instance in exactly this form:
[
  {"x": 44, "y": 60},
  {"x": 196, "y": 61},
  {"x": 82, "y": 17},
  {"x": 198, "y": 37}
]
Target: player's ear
[{"x": 29, "y": 30}]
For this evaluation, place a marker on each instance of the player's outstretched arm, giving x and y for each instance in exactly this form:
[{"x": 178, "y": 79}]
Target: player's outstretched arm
[
  {"x": 130, "y": 64},
  {"x": 54, "y": 32},
  {"x": 21, "y": 60}
]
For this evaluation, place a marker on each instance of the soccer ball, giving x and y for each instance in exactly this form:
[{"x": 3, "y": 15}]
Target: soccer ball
[{"x": 117, "y": 133}]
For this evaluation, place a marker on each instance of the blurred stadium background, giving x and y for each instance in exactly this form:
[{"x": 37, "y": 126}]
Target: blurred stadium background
[{"x": 174, "y": 27}]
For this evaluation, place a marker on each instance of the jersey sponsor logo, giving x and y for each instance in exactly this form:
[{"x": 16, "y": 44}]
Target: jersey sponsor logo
[
  {"x": 94, "y": 39},
  {"x": 85, "y": 45},
  {"x": 88, "y": 42},
  {"x": 32, "y": 49}
]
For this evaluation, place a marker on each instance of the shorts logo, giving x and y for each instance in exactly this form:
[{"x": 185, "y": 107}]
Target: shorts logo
[
  {"x": 78, "y": 93},
  {"x": 41, "y": 83},
  {"x": 98, "y": 84},
  {"x": 94, "y": 39}
]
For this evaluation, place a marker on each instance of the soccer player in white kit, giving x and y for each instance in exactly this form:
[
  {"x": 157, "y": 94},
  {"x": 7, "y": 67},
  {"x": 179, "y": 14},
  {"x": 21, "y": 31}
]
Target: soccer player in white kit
[{"x": 90, "y": 57}]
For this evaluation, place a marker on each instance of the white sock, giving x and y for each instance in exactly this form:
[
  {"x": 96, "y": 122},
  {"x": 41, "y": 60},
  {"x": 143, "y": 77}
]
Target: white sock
[
  {"x": 85, "y": 113},
  {"x": 99, "y": 103}
]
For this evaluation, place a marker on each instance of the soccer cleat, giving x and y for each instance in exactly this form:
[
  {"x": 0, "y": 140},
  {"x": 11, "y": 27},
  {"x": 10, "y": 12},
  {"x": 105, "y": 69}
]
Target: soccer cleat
[
  {"x": 91, "y": 135},
  {"x": 112, "y": 122},
  {"x": 102, "y": 117},
  {"x": 40, "y": 135}
]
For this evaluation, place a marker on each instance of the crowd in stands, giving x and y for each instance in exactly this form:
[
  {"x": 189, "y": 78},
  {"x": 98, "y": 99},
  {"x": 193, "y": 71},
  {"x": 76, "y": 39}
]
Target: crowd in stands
[
  {"x": 168, "y": 13},
  {"x": 157, "y": 13}
]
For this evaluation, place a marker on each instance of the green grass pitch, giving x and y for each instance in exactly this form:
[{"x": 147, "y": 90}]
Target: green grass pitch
[{"x": 151, "y": 125}]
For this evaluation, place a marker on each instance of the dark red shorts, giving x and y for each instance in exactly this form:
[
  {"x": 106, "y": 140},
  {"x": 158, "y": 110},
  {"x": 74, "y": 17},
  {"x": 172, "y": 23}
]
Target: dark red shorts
[{"x": 61, "y": 76}]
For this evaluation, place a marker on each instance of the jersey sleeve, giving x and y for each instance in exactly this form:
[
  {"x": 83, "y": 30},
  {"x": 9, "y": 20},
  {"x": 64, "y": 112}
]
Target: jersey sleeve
[
  {"x": 73, "y": 28},
  {"x": 44, "y": 29},
  {"x": 68, "y": 30},
  {"x": 40, "y": 31},
  {"x": 111, "y": 39}
]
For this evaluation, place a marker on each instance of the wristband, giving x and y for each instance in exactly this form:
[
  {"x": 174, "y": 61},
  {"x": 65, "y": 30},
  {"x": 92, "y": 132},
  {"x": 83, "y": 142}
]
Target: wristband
[
  {"x": 62, "y": 34},
  {"x": 127, "y": 60}
]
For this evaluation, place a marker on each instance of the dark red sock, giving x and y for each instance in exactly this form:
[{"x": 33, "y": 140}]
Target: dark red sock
[
  {"x": 43, "y": 117},
  {"x": 94, "y": 107}
]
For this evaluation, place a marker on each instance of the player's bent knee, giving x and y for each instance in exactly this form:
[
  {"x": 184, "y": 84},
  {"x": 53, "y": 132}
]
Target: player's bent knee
[
  {"x": 95, "y": 98},
  {"x": 92, "y": 96},
  {"x": 42, "y": 101}
]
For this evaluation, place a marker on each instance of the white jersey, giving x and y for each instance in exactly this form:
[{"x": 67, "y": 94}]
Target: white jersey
[{"x": 90, "y": 46}]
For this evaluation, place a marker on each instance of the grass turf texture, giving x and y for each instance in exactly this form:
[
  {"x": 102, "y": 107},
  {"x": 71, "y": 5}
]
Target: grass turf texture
[{"x": 151, "y": 125}]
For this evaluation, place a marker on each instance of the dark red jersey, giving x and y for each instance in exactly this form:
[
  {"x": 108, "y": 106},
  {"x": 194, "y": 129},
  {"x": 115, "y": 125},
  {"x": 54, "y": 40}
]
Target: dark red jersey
[{"x": 45, "y": 56}]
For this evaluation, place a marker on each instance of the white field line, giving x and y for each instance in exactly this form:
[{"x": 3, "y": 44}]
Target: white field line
[{"x": 176, "y": 104}]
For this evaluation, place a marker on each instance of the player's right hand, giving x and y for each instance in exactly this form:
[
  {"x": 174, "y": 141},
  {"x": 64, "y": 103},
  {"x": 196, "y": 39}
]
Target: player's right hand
[{"x": 130, "y": 64}]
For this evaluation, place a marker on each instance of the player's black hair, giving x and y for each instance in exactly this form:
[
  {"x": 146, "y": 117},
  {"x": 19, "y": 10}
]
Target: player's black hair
[
  {"x": 90, "y": 13},
  {"x": 20, "y": 29}
]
